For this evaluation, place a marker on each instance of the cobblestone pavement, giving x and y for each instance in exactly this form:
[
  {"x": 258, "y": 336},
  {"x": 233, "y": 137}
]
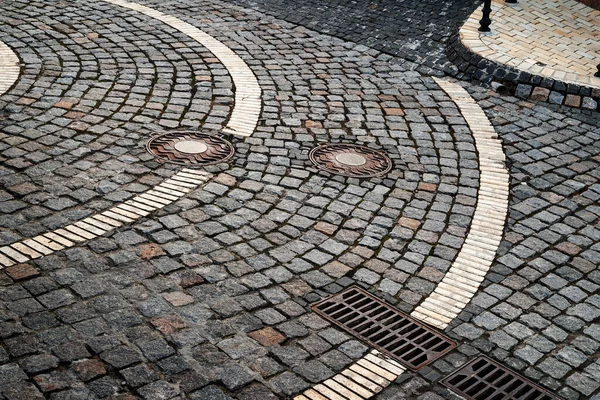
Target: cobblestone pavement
[
  {"x": 415, "y": 30},
  {"x": 207, "y": 298}
]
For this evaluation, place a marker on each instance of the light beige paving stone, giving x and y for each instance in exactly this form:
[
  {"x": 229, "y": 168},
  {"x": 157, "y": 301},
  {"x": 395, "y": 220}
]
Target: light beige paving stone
[
  {"x": 552, "y": 38},
  {"x": 301, "y": 397},
  {"x": 110, "y": 221},
  {"x": 347, "y": 393},
  {"x": 37, "y": 247},
  {"x": 464, "y": 277},
  {"x": 180, "y": 184},
  {"x": 372, "y": 376},
  {"x": 312, "y": 395},
  {"x": 90, "y": 228},
  {"x": 64, "y": 240},
  {"x": 26, "y": 250},
  {"x": 13, "y": 254},
  {"x": 394, "y": 369},
  {"x": 162, "y": 195},
  {"x": 150, "y": 203},
  {"x": 80, "y": 232},
  {"x": 355, "y": 387},
  {"x": 169, "y": 186},
  {"x": 48, "y": 243},
  {"x": 140, "y": 206},
  {"x": 117, "y": 216},
  {"x": 135, "y": 210},
  {"x": 5, "y": 261},
  {"x": 375, "y": 369},
  {"x": 163, "y": 202},
  {"x": 328, "y": 393},
  {"x": 9, "y": 67},
  {"x": 98, "y": 224},
  {"x": 372, "y": 386}
]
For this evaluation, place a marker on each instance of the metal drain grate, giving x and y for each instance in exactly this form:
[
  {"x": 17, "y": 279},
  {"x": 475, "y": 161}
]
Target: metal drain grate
[
  {"x": 189, "y": 148},
  {"x": 485, "y": 379},
  {"x": 350, "y": 160},
  {"x": 384, "y": 327}
]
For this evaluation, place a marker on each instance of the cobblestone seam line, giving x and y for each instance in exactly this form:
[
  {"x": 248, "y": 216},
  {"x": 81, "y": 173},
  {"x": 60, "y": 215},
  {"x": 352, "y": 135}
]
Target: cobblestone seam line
[
  {"x": 9, "y": 68},
  {"x": 165, "y": 193},
  {"x": 462, "y": 281},
  {"x": 362, "y": 380},
  {"x": 247, "y": 90}
]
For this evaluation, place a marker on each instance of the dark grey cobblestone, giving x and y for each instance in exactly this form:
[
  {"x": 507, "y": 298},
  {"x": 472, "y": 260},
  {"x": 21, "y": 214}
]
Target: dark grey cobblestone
[
  {"x": 219, "y": 311},
  {"x": 417, "y": 31}
]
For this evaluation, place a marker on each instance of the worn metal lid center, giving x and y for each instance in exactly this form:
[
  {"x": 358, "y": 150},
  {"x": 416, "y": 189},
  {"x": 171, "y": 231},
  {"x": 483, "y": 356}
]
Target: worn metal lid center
[
  {"x": 350, "y": 159},
  {"x": 190, "y": 147}
]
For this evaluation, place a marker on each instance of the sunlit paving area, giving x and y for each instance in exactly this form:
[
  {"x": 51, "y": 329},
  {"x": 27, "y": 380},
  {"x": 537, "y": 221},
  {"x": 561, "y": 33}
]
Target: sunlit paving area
[{"x": 317, "y": 200}]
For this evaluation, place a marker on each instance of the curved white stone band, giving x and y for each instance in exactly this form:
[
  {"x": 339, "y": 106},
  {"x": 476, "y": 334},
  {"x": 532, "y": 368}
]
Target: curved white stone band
[
  {"x": 246, "y": 110},
  {"x": 475, "y": 258},
  {"x": 368, "y": 376},
  {"x": 242, "y": 122},
  {"x": 96, "y": 225},
  {"x": 9, "y": 68},
  {"x": 362, "y": 380}
]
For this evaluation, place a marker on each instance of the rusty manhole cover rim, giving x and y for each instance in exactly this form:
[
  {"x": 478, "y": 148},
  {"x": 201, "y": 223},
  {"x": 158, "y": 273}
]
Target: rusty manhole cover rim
[
  {"x": 419, "y": 343},
  {"x": 193, "y": 149},
  {"x": 350, "y": 160}
]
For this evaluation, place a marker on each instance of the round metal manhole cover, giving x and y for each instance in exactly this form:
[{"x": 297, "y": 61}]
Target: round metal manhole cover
[
  {"x": 191, "y": 148},
  {"x": 350, "y": 160}
]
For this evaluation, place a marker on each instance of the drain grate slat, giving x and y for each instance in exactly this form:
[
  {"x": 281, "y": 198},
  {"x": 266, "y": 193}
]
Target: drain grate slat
[
  {"x": 384, "y": 327},
  {"x": 485, "y": 379}
]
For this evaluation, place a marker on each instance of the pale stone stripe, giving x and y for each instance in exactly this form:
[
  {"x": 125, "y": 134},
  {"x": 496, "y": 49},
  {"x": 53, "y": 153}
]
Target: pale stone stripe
[
  {"x": 48, "y": 243},
  {"x": 37, "y": 247},
  {"x": 140, "y": 206},
  {"x": 80, "y": 232},
  {"x": 109, "y": 221},
  {"x": 26, "y": 250},
  {"x": 116, "y": 216},
  {"x": 90, "y": 228},
  {"x": 98, "y": 224},
  {"x": 246, "y": 110},
  {"x": 312, "y": 395},
  {"x": 475, "y": 258},
  {"x": 361, "y": 380},
  {"x": 13, "y": 254},
  {"x": 5, "y": 261},
  {"x": 347, "y": 393},
  {"x": 148, "y": 202},
  {"x": 59, "y": 239},
  {"x": 9, "y": 67},
  {"x": 135, "y": 212}
]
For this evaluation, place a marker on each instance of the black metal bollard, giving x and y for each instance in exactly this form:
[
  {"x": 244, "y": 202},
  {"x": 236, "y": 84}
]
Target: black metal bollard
[
  {"x": 597, "y": 72},
  {"x": 484, "y": 23}
]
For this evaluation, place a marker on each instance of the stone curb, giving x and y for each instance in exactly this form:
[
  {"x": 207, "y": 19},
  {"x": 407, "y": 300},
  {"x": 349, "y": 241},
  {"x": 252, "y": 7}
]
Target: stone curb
[{"x": 521, "y": 84}]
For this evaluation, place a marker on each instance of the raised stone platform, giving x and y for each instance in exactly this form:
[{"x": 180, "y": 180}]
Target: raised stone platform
[{"x": 547, "y": 44}]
